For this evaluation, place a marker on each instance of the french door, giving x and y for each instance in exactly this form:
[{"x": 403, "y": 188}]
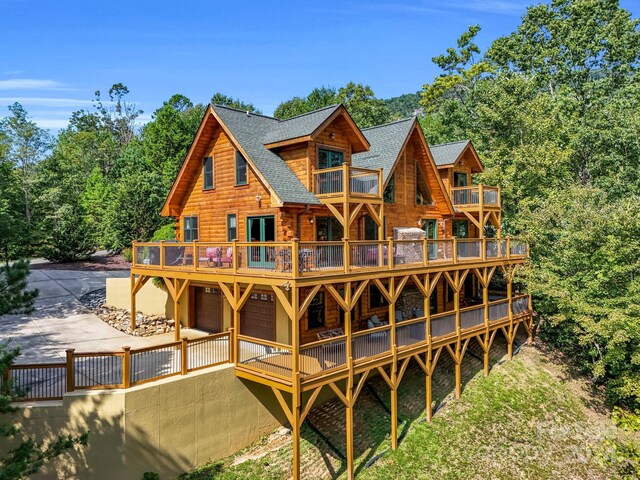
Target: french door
[{"x": 261, "y": 229}]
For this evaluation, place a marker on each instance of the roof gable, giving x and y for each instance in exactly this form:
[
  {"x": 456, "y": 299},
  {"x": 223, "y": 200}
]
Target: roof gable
[
  {"x": 447, "y": 154},
  {"x": 308, "y": 126},
  {"x": 387, "y": 144}
]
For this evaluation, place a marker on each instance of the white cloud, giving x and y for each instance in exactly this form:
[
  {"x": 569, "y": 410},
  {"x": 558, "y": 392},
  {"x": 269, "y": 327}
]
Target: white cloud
[
  {"x": 47, "y": 101},
  {"x": 31, "y": 84}
]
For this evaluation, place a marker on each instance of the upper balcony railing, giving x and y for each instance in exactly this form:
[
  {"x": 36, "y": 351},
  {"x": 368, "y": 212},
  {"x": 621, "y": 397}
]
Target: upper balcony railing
[
  {"x": 476, "y": 196},
  {"x": 349, "y": 181},
  {"x": 310, "y": 259}
]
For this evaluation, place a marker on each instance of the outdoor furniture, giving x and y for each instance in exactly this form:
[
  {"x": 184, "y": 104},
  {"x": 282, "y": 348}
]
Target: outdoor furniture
[
  {"x": 335, "y": 332},
  {"x": 376, "y": 322}
]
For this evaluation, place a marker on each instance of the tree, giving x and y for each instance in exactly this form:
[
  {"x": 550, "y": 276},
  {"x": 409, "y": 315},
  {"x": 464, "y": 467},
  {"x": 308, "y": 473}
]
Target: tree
[
  {"x": 24, "y": 146},
  {"x": 359, "y": 100},
  {"x": 26, "y": 454},
  {"x": 361, "y": 103},
  {"x": 226, "y": 101},
  {"x": 166, "y": 139},
  {"x": 14, "y": 297},
  {"x": 553, "y": 111},
  {"x": 318, "y": 98}
]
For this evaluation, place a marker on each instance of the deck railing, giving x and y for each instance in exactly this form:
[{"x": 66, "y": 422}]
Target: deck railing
[
  {"x": 476, "y": 195},
  {"x": 122, "y": 369},
  {"x": 347, "y": 180},
  {"x": 315, "y": 258},
  {"x": 130, "y": 367}
]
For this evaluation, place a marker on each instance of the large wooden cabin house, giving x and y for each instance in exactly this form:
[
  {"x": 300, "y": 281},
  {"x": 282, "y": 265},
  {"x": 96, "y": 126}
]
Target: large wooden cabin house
[{"x": 331, "y": 252}]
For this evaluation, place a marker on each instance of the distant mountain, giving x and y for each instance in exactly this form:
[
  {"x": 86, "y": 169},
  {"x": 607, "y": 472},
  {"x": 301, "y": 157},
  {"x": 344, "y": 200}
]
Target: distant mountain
[{"x": 405, "y": 105}]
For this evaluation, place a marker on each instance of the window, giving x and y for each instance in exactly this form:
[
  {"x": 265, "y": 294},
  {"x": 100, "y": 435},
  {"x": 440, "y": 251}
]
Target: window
[
  {"x": 389, "y": 194},
  {"x": 207, "y": 173},
  {"x": 460, "y": 228},
  {"x": 190, "y": 227},
  {"x": 370, "y": 228},
  {"x": 460, "y": 179},
  {"x": 232, "y": 227},
  {"x": 423, "y": 195},
  {"x": 376, "y": 299},
  {"x": 433, "y": 303},
  {"x": 316, "y": 311},
  {"x": 241, "y": 169},
  {"x": 329, "y": 158},
  {"x": 328, "y": 228}
]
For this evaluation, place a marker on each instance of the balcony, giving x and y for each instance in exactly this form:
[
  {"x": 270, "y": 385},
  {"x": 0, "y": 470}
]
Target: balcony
[
  {"x": 297, "y": 259},
  {"x": 333, "y": 185},
  {"x": 476, "y": 197},
  {"x": 329, "y": 357}
]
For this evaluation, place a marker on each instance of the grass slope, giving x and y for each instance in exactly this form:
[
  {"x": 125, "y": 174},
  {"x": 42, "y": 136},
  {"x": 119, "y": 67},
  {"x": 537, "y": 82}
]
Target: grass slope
[{"x": 530, "y": 418}]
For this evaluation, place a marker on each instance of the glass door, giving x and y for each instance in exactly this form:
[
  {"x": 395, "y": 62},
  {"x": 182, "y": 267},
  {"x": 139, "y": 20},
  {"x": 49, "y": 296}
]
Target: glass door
[
  {"x": 261, "y": 229},
  {"x": 431, "y": 229}
]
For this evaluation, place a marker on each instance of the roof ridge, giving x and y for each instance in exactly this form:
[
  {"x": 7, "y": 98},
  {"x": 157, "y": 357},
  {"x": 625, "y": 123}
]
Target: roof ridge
[
  {"x": 449, "y": 143},
  {"x": 308, "y": 113},
  {"x": 390, "y": 123},
  {"x": 239, "y": 110}
]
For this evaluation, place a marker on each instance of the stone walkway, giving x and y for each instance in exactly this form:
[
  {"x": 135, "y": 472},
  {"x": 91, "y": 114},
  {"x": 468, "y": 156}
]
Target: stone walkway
[{"x": 60, "y": 321}]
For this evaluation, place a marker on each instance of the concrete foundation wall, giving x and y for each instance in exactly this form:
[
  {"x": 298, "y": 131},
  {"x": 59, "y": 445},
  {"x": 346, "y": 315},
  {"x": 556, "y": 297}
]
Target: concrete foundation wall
[
  {"x": 169, "y": 426},
  {"x": 150, "y": 300}
]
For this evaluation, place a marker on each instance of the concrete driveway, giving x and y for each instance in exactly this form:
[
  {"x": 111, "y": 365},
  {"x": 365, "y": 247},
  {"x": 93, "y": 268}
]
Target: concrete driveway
[{"x": 60, "y": 321}]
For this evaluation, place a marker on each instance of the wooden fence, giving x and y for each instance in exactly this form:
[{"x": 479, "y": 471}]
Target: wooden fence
[{"x": 124, "y": 369}]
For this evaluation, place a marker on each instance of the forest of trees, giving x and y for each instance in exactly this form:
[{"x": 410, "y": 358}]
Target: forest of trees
[{"x": 553, "y": 110}]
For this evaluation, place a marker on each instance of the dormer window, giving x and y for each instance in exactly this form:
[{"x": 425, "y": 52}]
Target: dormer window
[
  {"x": 207, "y": 173},
  {"x": 329, "y": 158},
  {"x": 241, "y": 170}
]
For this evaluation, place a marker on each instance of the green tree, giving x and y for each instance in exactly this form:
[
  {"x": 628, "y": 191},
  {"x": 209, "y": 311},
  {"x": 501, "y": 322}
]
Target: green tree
[
  {"x": 166, "y": 139},
  {"x": 318, "y": 98},
  {"x": 26, "y": 455},
  {"x": 359, "y": 100},
  {"x": 14, "y": 296},
  {"x": 25, "y": 145},
  {"x": 226, "y": 101}
]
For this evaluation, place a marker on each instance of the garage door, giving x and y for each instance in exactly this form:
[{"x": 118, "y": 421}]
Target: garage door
[
  {"x": 208, "y": 309},
  {"x": 258, "y": 316}
]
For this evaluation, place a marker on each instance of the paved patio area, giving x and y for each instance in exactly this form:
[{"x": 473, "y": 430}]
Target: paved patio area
[{"x": 60, "y": 321}]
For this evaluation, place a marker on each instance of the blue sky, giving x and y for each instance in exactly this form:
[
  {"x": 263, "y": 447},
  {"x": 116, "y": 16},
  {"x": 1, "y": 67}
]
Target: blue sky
[{"x": 55, "y": 54}]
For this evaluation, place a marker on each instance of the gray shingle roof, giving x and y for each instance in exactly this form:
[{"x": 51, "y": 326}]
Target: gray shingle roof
[
  {"x": 386, "y": 143},
  {"x": 448, "y": 153},
  {"x": 249, "y": 131},
  {"x": 298, "y": 126}
]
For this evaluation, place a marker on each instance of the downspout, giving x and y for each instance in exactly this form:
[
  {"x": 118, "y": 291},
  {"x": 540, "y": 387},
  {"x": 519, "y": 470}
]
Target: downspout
[{"x": 306, "y": 210}]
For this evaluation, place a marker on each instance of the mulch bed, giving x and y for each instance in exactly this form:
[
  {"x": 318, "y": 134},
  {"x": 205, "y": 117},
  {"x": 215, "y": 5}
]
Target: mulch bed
[{"x": 95, "y": 263}]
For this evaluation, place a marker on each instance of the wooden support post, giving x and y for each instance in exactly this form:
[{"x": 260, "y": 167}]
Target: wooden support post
[
  {"x": 346, "y": 254},
  {"x": 455, "y": 250},
  {"x": 481, "y": 218},
  {"x": 485, "y": 300},
  {"x": 456, "y": 306},
  {"x": 349, "y": 422},
  {"x": 296, "y": 394},
  {"x": 176, "y": 309},
  {"x": 530, "y": 320},
  {"x": 390, "y": 255},
  {"x": 429, "y": 394},
  {"x": 133, "y": 302},
  {"x": 236, "y": 321},
  {"x": 71, "y": 374},
  {"x": 394, "y": 365},
  {"x": 184, "y": 360},
  {"x": 510, "y": 297},
  {"x": 234, "y": 256},
  {"x": 295, "y": 257},
  {"x": 126, "y": 367},
  {"x": 162, "y": 252}
]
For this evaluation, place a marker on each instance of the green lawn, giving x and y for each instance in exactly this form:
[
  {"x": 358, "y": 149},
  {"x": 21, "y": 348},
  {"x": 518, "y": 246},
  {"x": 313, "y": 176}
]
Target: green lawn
[{"x": 529, "y": 419}]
